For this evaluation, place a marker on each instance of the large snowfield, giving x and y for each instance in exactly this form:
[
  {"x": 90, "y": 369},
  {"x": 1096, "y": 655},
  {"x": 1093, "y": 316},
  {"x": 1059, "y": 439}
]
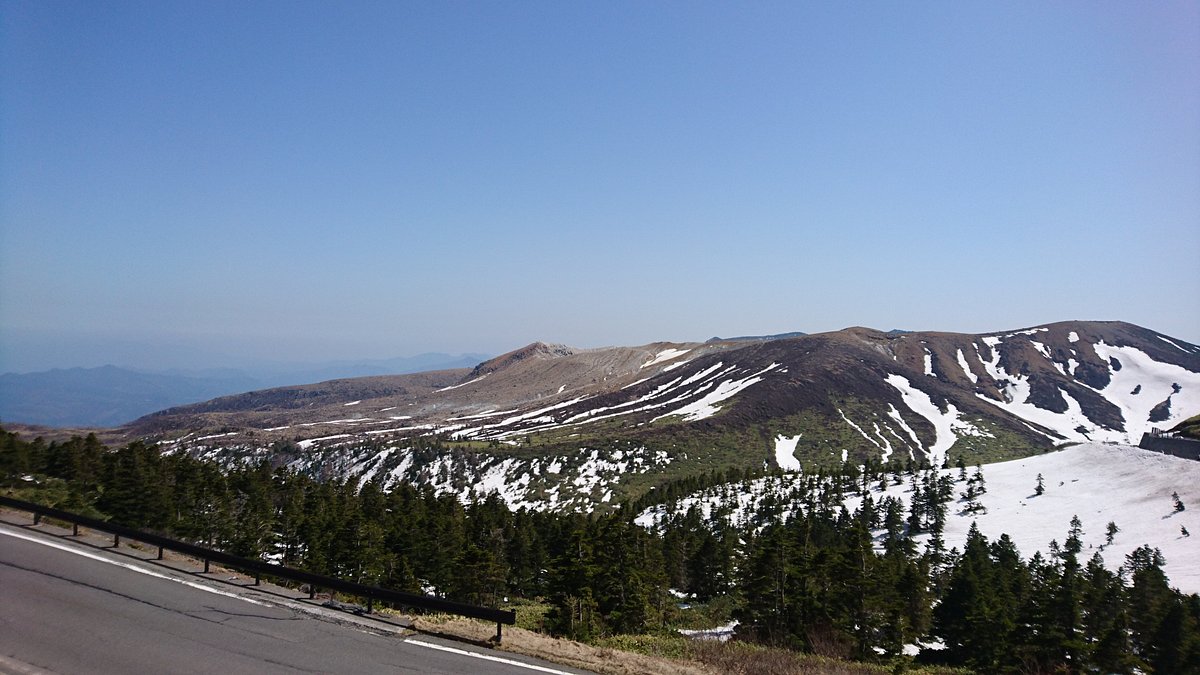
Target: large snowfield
[{"x": 1099, "y": 483}]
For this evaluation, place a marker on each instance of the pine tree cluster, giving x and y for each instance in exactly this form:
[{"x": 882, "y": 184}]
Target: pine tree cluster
[{"x": 802, "y": 570}]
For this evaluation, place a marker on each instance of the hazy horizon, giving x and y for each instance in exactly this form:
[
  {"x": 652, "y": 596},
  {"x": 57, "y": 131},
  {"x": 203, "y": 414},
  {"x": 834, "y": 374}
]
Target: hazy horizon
[
  {"x": 27, "y": 353},
  {"x": 313, "y": 182}
]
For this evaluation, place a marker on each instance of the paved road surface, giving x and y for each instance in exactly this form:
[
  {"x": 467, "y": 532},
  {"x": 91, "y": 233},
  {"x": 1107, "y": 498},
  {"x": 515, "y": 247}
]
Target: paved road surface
[{"x": 67, "y": 608}]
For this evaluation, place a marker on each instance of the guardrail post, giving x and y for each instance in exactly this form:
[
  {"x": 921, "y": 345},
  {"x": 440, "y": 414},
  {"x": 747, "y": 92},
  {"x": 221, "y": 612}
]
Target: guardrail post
[
  {"x": 74, "y": 529},
  {"x": 312, "y": 592},
  {"x": 37, "y": 518},
  {"x": 116, "y": 541},
  {"x": 159, "y": 553},
  {"x": 206, "y": 565},
  {"x": 499, "y": 629},
  {"x": 257, "y": 577},
  {"x": 370, "y": 605}
]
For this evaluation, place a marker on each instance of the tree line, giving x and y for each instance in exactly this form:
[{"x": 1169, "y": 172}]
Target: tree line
[{"x": 804, "y": 572}]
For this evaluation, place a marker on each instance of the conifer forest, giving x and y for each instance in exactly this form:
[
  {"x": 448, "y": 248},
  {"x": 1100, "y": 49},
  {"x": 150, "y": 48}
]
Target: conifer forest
[{"x": 819, "y": 578}]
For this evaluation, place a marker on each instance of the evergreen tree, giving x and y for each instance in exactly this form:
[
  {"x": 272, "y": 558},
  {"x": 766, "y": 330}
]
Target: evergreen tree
[
  {"x": 970, "y": 618},
  {"x": 137, "y": 492},
  {"x": 978, "y": 481},
  {"x": 1066, "y": 598},
  {"x": 574, "y": 612},
  {"x": 630, "y": 584},
  {"x": 481, "y": 577},
  {"x": 202, "y": 503},
  {"x": 526, "y": 555},
  {"x": 1039, "y": 639},
  {"x": 1105, "y": 622},
  {"x": 710, "y": 568},
  {"x": 766, "y": 615},
  {"x": 254, "y": 512},
  {"x": 441, "y": 539},
  {"x": 288, "y": 496},
  {"x": 1163, "y": 627},
  {"x": 861, "y": 586},
  {"x": 319, "y": 528},
  {"x": 16, "y": 458}
]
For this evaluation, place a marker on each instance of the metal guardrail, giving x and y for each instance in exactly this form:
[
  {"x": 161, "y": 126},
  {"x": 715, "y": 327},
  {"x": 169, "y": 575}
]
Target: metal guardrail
[
  {"x": 1179, "y": 446},
  {"x": 261, "y": 568}
]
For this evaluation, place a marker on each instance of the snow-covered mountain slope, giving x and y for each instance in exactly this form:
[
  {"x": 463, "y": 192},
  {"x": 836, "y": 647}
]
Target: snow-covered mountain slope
[
  {"x": 1145, "y": 392},
  {"x": 580, "y": 479},
  {"x": 854, "y": 395},
  {"x": 1099, "y": 483}
]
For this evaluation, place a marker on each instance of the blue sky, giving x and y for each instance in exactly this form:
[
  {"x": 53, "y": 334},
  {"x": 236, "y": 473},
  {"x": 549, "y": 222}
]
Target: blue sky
[{"x": 309, "y": 181}]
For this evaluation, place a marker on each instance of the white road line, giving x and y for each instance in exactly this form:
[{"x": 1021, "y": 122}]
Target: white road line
[
  {"x": 201, "y": 587},
  {"x": 135, "y": 568},
  {"x": 497, "y": 659},
  {"x": 10, "y": 665}
]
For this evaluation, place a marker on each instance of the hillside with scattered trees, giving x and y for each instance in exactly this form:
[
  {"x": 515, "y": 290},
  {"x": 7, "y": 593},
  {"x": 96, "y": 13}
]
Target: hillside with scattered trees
[{"x": 812, "y": 580}]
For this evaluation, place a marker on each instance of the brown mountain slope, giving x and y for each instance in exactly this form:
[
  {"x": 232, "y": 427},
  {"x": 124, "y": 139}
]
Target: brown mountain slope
[
  {"x": 976, "y": 373},
  {"x": 856, "y": 394}
]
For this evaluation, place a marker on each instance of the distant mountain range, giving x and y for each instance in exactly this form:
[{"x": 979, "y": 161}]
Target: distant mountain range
[
  {"x": 110, "y": 396},
  {"x": 757, "y": 338},
  {"x": 550, "y": 426}
]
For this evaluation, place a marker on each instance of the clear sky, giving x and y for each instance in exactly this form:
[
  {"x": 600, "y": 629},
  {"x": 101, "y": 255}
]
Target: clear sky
[{"x": 340, "y": 180}]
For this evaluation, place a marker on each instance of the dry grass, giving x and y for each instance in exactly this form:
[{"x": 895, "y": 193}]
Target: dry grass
[
  {"x": 602, "y": 660},
  {"x": 735, "y": 658},
  {"x": 655, "y": 655}
]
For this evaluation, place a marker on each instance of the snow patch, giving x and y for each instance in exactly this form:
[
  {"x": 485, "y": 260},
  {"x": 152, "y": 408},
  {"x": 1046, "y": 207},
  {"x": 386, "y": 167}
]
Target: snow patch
[
  {"x": 306, "y": 444},
  {"x": 720, "y": 633},
  {"x": 1154, "y": 381},
  {"x": 1042, "y": 348},
  {"x": 708, "y": 405},
  {"x": 785, "y": 452},
  {"x": 205, "y": 438},
  {"x": 895, "y": 414},
  {"x": 966, "y": 367},
  {"x": 1015, "y": 390},
  {"x": 456, "y": 386},
  {"x": 665, "y": 355},
  {"x": 859, "y": 430},
  {"x": 1157, "y": 381},
  {"x": 944, "y": 423},
  {"x": 1187, "y": 351}
]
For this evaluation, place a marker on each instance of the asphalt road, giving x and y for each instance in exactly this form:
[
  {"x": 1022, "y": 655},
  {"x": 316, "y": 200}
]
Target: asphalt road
[{"x": 66, "y": 607}]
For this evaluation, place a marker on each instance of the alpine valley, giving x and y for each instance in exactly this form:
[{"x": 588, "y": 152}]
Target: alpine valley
[{"x": 551, "y": 427}]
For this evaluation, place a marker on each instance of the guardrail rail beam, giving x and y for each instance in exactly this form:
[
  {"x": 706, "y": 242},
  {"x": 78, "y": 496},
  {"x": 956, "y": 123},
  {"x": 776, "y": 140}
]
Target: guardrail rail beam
[{"x": 260, "y": 568}]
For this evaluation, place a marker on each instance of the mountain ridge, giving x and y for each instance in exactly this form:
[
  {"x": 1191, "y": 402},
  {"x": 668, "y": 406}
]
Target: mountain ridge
[
  {"x": 557, "y": 427},
  {"x": 110, "y": 395}
]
